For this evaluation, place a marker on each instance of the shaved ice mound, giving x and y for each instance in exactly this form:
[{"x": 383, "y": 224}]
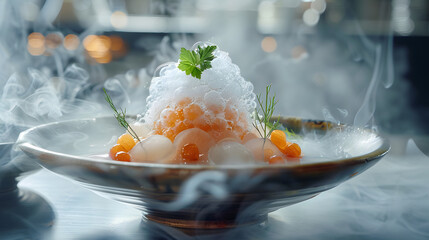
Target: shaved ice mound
[
  {"x": 219, "y": 103},
  {"x": 202, "y": 118}
]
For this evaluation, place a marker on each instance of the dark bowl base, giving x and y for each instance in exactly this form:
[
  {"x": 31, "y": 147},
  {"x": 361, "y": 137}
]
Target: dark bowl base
[
  {"x": 201, "y": 227},
  {"x": 192, "y": 225}
]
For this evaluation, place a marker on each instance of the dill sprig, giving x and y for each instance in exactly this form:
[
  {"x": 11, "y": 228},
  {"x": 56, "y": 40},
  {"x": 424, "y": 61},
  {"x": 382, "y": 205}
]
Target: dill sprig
[
  {"x": 120, "y": 116},
  {"x": 289, "y": 132},
  {"x": 263, "y": 116}
]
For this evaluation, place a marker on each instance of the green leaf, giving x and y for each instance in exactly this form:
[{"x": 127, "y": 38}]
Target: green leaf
[
  {"x": 196, "y": 73},
  {"x": 205, "y": 65},
  {"x": 195, "y": 62}
]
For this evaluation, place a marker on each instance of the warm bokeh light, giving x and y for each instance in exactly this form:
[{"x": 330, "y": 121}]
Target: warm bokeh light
[
  {"x": 119, "y": 19},
  {"x": 36, "y": 51},
  {"x": 105, "y": 58},
  {"x": 269, "y": 44},
  {"x": 36, "y": 40},
  {"x": 89, "y": 43},
  {"x": 53, "y": 40},
  {"x": 93, "y": 43},
  {"x": 71, "y": 42},
  {"x": 36, "y": 44},
  {"x": 118, "y": 47},
  {"x": 100, "y": 48},
  {"x": 117, "y": 43}
]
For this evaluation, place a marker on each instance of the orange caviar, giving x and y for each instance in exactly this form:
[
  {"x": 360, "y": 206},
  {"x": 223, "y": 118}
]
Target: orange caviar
[
  {"x": 293, "y": 150},
  {"x": 278, "y": 137},
  {"x": 276, "y": 160},
  {"x": 218, "y": 121},
  {"x": 120, "y": 150},
  {"x": 123, "y": 157},
  {"x": 190, "y": 153},
  {"x": 115, "y": 150},
  {"x": 127, "y": 141}
]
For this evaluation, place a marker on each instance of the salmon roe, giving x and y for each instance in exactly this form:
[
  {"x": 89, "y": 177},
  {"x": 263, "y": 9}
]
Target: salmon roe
[
  {"x": 120, "y": 150},
  {"x": 218, "y": 121},
  {"x": 293, "y": 150},
  {"x": 278, "y": 137},
  {"x": 127, "y": 141},
  {"x": 123, "y": 157},
  {"x": 276, "y": 160},
  {"x": 190, "y": 153},
  {"x": 116, "y": 149}
]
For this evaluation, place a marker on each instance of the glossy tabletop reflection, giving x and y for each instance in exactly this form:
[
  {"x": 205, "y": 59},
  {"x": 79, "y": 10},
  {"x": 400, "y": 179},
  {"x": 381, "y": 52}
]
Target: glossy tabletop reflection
[{"x": 389, "y": 201}]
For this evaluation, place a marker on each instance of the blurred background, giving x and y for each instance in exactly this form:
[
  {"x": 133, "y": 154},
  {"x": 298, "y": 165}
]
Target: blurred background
[
  {"x": 325, "y": 58},
  {"x": 360, "y": 62}
]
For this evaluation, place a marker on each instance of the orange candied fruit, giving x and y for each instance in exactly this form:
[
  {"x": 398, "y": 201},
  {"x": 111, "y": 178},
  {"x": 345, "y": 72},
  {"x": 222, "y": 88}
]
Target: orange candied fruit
[
  {"x": 293, "y": 150},
  {"x": 278, "y": 137},
  {"x": 190, "y": 153},
  {"x": 123, "y": 157},
  {"x": 115, "y": 149},
  {"x": 127, "y": 141}
]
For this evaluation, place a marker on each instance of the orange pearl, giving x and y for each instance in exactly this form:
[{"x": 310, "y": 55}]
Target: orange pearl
[
  {"x": 190, "y": 153},
  {"x": 115, "y": 149},
  {"x": 293, "y": 150},
  {"x": 276, "y": 160},
  {"x": 278, "y": 137},
  {"x": 123, "y": 157},
  {"x": 127, "y": 141}
]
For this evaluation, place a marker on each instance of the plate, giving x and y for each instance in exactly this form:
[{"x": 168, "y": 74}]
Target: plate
[{"x": 207, "y": 197}]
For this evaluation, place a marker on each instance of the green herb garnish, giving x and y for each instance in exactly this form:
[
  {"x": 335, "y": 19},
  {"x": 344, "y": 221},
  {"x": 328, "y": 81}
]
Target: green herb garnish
[
  {"x": 289, "y": 132},
  {"x": 262, "y": 121},
  {"x": 195, "y": 62},
  {"x": 120, "y": 116}
]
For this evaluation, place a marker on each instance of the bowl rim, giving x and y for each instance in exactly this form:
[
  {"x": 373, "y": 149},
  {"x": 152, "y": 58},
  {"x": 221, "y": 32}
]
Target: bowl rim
[{"x": 30, "y": 148}]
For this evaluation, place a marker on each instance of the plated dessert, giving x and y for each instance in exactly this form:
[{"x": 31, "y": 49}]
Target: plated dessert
[
  {"x": 200, "y": 110},
  {"x": 208, "y": 153}
]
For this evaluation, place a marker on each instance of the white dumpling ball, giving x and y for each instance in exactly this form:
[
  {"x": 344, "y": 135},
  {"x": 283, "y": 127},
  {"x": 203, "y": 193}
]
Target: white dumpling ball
[
  {"x": 230, "y": 153},
  {"x": 152, "y": 149}
]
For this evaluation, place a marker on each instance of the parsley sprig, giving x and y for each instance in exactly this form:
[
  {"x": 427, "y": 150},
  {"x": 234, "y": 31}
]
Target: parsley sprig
[
  {"x": 195, "y": 62},
  {"x": 120, "y": 116},
  {"x": 262, "y": 121}
]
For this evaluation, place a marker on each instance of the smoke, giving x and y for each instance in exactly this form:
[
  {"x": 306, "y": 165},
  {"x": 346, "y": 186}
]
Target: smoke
[
  {"x": 36, "y": 89},
  {"x": 386, "y": 202},
  {"x": 316, "y": 72}
]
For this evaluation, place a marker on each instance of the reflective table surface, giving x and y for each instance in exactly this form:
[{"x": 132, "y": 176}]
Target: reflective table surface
[{"x": 389, "y": 201}]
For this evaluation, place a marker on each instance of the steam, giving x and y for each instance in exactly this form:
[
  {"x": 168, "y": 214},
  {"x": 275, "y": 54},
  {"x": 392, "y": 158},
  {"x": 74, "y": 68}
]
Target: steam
[
  {"x": 332, "y": 79},
  {"x": 56, "y": 86},
  {"x": 386, "y": 202},
  {"x": 211, "y": 183}
]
